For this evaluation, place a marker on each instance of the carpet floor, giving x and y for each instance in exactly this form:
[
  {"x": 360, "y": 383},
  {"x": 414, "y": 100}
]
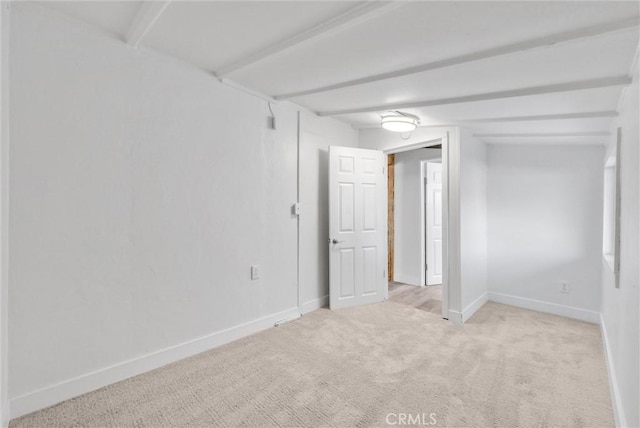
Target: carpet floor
[{"x": 370, "y": 366}]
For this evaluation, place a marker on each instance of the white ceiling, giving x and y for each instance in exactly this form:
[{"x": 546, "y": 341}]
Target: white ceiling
[
  {"x": 214, "y": 34},
  {"x": 341, "y": 41},
  {"x": 113, "y": 17}
]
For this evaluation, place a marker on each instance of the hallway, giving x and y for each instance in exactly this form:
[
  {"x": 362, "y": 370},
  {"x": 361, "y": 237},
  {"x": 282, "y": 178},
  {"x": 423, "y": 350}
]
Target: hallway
[{"x": 427, "y": 298}]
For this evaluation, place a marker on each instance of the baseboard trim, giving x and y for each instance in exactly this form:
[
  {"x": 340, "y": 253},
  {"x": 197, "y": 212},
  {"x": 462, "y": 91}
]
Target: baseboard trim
[
  {"x": 618, "y": 410},
  {"x": 408, "y": 279},
  {"x": 314, "y": 304},
  {"x": 455, "y": 316},
  {"x": 462, "y": 317},
  {"x": 473, "y": 307},
  {"x": 54, "y": 394},
  {"x": 4, "y": 414},
  {"x": 550, "y": 308}
]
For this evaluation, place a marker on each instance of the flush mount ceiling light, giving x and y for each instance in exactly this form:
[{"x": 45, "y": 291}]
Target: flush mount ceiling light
[{"x": 398, "y": 121}]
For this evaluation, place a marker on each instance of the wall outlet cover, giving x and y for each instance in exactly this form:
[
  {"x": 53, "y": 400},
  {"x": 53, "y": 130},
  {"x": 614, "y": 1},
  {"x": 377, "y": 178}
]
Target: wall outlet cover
[{"x": 255, "y": 271}]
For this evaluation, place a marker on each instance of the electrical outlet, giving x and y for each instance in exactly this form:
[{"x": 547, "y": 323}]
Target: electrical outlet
[
  {"x": 255, "y": 272},
  {"x": 565, "y": 287}
]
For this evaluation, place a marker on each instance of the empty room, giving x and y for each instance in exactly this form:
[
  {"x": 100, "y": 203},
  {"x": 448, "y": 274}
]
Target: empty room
[{"x": 319, "y": 213}]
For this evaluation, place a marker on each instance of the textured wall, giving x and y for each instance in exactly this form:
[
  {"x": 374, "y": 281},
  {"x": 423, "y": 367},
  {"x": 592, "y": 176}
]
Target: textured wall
[
  {"x": 473, "y": 218},
  {"x": 141, "y": 192},
  {"x": 545, "y": 222},
  {"x": 620, "y": 306}
]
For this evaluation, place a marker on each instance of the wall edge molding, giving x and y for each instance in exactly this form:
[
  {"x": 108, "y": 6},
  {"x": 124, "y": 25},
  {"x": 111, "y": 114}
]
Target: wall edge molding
[
  {"x": 547, "y": 307},
  {"x": 92, "y": 381},
  {"x": 455, "y": 316},
  {"x": 473, "y": 307},
  {"x": 618, "y": 410},
  {"x": 406, "y": 279},
  {"x": 312, "y": 305}
]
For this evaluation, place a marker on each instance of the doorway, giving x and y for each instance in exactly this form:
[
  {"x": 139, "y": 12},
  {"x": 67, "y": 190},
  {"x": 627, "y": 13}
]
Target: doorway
[
  {"x": 415, "y": 227},
  {"x": 354, "y": 188}
]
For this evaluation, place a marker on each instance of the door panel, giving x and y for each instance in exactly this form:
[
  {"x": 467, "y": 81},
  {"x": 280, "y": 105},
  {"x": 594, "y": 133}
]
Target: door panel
[
  {"x": 357, "y": 227},
  {"x": 434, "y": 223},
  {"x": 437, "y": 267},
  {"x": 346, "y": 208},
  {"x": 370, "y": 258},
  {"x": 369, "y": 209},
  {"x": 347, "y": 273}
]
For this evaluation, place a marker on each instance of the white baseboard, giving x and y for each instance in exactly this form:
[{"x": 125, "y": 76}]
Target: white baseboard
[
  {"x": 314, "y": 304},
  {"x": 550, "y": 308},
  {"x": 88, "y": 382},
  {"x": 473, "y": 307},
  {"x": 455, "y": 316},
  {"x": 406, "y": 279},
  {"x": 4, "y": 414},
  {"x": 462, "y": 317},
  {"x": 618, "y": 410}
]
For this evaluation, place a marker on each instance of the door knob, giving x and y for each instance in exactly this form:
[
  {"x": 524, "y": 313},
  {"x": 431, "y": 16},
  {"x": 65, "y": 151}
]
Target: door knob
[{"x": 335, "y": 241}]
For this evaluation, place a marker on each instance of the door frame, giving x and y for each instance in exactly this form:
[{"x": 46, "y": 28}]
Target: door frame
[
  {"x": 450, "y": 208},
  {"x": 391, "y": 161}
]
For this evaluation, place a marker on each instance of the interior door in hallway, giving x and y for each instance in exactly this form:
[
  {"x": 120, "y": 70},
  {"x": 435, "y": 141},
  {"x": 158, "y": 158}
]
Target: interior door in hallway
[
  {"x": 433, "y": 208},
  {"x": 357, "y": 227}
]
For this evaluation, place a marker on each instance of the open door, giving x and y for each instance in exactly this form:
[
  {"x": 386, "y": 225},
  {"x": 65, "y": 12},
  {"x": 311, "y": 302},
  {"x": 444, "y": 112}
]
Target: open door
[
  {"x": 357, "y": 227},
  {"x": 433, "y": 209}
]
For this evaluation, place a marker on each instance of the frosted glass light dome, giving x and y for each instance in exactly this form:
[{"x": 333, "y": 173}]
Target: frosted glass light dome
[{"x": 399, "y": 122}]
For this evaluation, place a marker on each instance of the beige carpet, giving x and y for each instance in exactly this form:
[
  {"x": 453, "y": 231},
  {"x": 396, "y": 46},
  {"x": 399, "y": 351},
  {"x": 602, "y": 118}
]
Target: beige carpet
[{"x": 506, "y": 367}]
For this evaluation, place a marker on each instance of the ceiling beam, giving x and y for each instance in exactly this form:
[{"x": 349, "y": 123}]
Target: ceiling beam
[
  {"x": 632, "y": 72},
  {"x": 232, "y": 83},
  {"x": 564, "y": 116},
  {"x": 545, "y": 135},
  {"x": 352, "y": 17},
  {"x": 147, "y": 16},
  {"x": 540, "y": 42},
  {"x": 521, "y": 92}
]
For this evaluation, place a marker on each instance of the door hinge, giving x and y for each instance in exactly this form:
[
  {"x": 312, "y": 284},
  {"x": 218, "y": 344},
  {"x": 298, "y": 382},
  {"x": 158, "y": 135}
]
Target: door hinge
[{"x": 384, "y": 273}]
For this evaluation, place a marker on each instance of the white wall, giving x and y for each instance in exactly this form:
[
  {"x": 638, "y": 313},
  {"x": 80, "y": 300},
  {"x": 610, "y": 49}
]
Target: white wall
[
  {"x": 620, "y": 306},
  {"x": 473, "y": 223},
  {"x": 381, "y": 139},
  {"x": 545, "y": 226},
  {"x": 317, "y": 134},
  {"x": 4, "y": 211},
  {"x": 142, "y": 190},
  {"x": 408, "y": 263}
]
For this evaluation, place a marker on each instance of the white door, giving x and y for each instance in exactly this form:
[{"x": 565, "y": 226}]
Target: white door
[
  {"x": 357, "y": 227},
  {"x": 433, "y": 201}
]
